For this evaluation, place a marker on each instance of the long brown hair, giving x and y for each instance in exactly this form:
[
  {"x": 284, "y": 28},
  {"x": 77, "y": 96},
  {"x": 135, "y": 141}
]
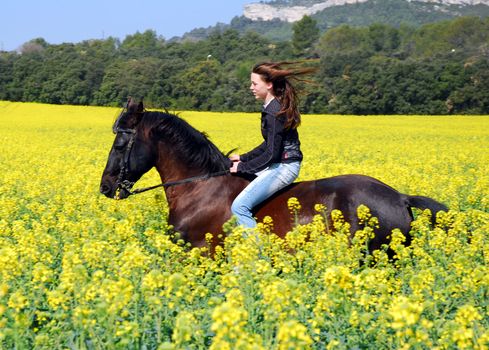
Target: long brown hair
[{"x": 280, "y": 77}]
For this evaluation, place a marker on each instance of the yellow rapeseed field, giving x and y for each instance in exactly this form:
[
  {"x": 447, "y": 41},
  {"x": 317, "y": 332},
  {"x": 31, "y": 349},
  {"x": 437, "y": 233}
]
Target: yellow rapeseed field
[{"x": 80, "y": 271}]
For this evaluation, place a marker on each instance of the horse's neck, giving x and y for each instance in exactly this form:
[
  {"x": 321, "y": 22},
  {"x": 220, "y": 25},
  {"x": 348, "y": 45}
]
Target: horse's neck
[
  {"x": 173, "y": 164},
  {"x": 203, "y": 205},
  {"x": 171, "y": 167},
  {"x": 197, "y": 192},
  {"x": 202, "y": 192}
]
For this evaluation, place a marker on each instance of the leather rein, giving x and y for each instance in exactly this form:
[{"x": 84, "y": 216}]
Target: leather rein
[{"x": 127, "y": 185}]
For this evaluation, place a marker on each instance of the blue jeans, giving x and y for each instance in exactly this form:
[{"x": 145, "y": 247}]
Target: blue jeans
[{"x": 268, "y": 181}]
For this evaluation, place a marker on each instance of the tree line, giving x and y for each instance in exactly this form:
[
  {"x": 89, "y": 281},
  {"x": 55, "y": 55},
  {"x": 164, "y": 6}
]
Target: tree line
[{"x": 439, "y": 68}]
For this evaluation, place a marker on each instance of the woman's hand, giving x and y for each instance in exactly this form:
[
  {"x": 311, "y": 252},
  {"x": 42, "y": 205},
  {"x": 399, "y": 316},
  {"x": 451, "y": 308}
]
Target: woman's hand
[
  {"x": 234, "y": 157},
  {"x": 234, "y": 168}
]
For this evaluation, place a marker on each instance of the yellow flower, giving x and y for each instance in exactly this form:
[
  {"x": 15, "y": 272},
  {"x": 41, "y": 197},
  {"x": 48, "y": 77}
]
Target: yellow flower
[
  {"x": 293, "y": 205},
  {"x": 154, "y": 280},
  {"x": 293, "y": 335},
  {"x": 41, "y": 273},
  {"x": 404, "y": 312},
  {"x": 17, "y": 301},
  {"x": 56, "y": 299},
  {"x": 229, "y": 320},
  {"x": 320, "y": 208},
  {"x": 127, "y": 328},
  {"x": 339, "y": 276},
  {"x": 466, "y": 315},
  {"x": 3, "y": 290},
  {"x": 117, "y": 294},
  {"x": 185, "y": 328},
  {"x": 73, "y": 262}
]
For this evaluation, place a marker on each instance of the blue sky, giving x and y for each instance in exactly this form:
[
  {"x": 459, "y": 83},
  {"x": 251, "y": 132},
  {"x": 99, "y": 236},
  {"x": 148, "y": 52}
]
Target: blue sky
[{"x": 73, "y": 21}]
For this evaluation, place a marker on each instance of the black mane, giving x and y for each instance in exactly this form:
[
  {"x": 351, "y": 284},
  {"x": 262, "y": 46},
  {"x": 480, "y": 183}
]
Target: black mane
[{"x": 191, "y": 145}]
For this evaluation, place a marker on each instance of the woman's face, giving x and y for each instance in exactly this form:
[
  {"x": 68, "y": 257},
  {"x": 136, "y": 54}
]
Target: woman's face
[{"x": 259, "y": 87}]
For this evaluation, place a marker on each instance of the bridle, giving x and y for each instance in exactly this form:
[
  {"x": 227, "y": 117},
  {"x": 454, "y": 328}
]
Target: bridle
[
  {"x": 120, "y": 182},
  {"x": 127, "y": 185}
]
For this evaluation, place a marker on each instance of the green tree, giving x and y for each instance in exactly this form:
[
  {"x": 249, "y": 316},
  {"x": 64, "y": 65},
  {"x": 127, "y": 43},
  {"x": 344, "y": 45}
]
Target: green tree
[
  {"x": 473, "y": 96},
  {"x": 96, "y": 56},
  {"x": 6, "y": 74},
  {"x": 382, "y": 37},
  {"x": 343, "y": 39},
  {"x": 197, "y": 87},
  {"x": 438, "y": 68},
  {"x": 28, "y": 75},
  {"x": 139, "y": 45},
  {"x": 456, "y": 38},
  {"x": 162, "y": 93},
  {"x": 305, "y": 34},
  {"x": 134, "y": 77}
]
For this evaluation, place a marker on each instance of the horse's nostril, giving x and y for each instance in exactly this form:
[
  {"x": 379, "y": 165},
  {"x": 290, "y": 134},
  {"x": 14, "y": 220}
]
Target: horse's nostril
[{"x": 104, "y": 189}]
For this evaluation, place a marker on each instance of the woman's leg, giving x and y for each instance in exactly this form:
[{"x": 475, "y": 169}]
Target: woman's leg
[{"x": 271, "y": 180}]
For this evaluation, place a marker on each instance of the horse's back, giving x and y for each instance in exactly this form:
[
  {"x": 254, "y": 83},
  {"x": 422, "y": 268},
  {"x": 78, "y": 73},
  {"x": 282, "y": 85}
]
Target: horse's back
[
  {"x": 343, "y": 192},
  {"x": 341, "y": 188}
]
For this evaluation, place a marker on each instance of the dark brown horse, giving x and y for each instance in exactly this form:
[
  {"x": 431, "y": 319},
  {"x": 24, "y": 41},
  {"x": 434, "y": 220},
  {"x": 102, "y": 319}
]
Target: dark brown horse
[{"x": 199, "y": 188}]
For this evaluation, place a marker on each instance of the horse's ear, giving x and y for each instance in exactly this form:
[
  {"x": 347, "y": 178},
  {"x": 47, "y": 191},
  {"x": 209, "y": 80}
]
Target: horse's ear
[
  {"x": 134, "y": 107},
  {"x": 140, "y": 107}
]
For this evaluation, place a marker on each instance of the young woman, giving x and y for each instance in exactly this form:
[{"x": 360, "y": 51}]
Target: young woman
[{"x": 277, "y": 160}]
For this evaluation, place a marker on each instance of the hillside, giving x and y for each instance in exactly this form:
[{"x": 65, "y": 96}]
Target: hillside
[
  {"x": 294, "y": 10},
  {"x": 274, "y": 19}
]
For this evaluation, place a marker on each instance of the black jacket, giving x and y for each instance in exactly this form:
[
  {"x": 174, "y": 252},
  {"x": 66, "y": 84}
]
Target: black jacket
[{"x": 280, "y": 146}]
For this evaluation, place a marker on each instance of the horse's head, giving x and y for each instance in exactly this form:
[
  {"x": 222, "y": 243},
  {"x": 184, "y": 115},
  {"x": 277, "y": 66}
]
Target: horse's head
[{"x": 131, "y": 154}]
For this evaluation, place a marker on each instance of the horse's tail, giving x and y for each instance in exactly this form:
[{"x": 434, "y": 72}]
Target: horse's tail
[{"x": 423, "y": 203}]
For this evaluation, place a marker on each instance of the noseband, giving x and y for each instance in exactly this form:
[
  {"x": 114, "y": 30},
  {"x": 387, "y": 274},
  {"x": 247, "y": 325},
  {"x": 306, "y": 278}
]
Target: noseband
[
  {"x": 120, "y": 182},
  {"x": 127, "y": 185}
]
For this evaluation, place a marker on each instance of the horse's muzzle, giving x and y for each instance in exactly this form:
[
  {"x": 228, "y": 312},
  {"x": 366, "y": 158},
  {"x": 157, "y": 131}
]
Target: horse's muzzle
[
  {"x": 115, "y": 191},
  {"x": 106, "y": 190}
]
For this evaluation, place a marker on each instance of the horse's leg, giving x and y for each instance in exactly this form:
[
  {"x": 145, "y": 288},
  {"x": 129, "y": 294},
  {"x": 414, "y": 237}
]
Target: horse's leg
[
  {"x": 391, "y": 216},
  {"x": 389, "y": 206}
]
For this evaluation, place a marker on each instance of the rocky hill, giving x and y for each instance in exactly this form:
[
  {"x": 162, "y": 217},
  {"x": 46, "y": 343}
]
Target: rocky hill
[
  {"x": 274, "y": 19},
  {"x": 292, "y": 11}
]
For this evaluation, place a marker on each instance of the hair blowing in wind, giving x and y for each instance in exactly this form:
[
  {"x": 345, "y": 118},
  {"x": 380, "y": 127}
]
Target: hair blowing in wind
[{"x": 281, "y": 75}]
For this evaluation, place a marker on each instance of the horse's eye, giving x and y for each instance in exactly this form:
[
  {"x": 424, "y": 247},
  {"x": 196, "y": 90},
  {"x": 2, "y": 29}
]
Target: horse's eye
[{"x": 120, "y": 143}]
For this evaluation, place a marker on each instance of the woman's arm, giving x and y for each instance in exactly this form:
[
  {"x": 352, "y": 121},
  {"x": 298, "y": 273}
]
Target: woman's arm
[
  {"x": 253, "y": 153},
  {"x": 270, "y": 149}
]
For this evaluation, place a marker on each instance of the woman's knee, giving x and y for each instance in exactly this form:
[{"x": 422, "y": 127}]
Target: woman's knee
[
  {"x": 238, "y": 208},
  {"x": 234, "y": 208}
]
